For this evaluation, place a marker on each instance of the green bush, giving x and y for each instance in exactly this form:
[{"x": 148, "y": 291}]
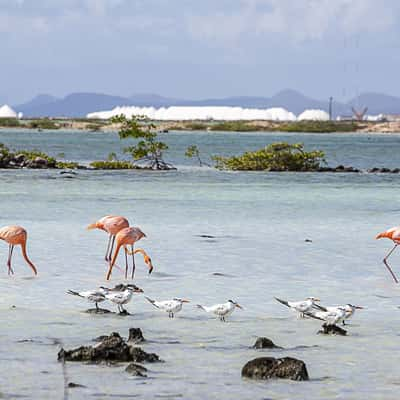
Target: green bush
[
  {"x": 10, "y": 122},
  {"x": 113, "y": 164},
  {"x": 317, "y": 126},
  {"x": 44, "y": 123},
  {"x": 236, "y": 126},
  {"x": 66, "y": 165},
  {"x": 274, "y": 157}
]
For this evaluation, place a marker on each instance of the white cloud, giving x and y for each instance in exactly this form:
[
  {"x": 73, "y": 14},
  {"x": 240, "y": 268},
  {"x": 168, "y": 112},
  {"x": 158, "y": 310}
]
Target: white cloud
[{"x": 297, "y": 20}]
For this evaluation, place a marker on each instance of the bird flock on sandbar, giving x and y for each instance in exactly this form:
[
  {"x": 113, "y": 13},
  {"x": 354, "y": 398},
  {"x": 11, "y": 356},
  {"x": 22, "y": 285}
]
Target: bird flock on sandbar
[{"x": 121, "y": 235}]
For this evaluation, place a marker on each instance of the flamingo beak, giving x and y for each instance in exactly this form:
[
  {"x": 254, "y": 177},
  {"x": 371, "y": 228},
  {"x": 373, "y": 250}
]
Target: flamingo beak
[{"x": 150, "y": 268}]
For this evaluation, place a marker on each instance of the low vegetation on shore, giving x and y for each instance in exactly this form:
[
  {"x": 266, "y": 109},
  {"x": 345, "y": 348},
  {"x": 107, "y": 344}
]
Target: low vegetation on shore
[{"x": 274, "y": 157}]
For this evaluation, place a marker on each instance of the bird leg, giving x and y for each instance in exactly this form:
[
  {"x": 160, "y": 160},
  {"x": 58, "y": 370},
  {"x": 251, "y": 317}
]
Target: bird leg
[
  {"x": 97, "y": 307},
  {"x": 387, "y": 265},
  {"x": 112, "y": 247},
  {"x": 126, "y": 263},
  {"x": 133, "y": 262},
  {"x": 107, "y": 256},
  {"x": 10, "y": 251}
]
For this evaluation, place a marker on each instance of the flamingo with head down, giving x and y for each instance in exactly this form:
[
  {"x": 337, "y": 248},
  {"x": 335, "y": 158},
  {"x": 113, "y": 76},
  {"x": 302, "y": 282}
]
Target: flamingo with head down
[
  {"x": 111, "y": 224},
  {"x": 124, "y": 238},
  {"x": 16, "y": 236}
]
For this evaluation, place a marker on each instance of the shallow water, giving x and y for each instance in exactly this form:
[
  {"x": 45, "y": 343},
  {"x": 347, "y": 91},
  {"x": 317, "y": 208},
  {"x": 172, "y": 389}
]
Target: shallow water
[{"x": 260, "y": 222}]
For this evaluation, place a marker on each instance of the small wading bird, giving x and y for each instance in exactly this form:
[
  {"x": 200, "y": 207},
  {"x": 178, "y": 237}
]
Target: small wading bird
[
  {"x": 126, "y": 237},
  {"x": 350, "y": 309},
  {"x": 170, "y": 306},
  {"x": 94, "y": 296},
  {"x": 394, "y": 235},
  {"x": 14, "y": 236},
  {"x": 123, "y": 297},
  {"x": 301, "y": 307},
  {"x": 221, "y": 310},
  {"x": 111, "y": 224},
  {"x": 329, "y": 317}
]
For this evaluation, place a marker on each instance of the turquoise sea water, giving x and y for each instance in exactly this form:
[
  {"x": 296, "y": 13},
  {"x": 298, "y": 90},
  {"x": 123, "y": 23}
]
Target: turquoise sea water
[{"x": 260, "y": 222}]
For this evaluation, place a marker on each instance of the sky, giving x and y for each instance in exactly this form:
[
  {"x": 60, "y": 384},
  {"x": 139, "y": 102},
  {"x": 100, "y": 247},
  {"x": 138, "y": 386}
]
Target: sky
[{"x": 198, "y": 49}]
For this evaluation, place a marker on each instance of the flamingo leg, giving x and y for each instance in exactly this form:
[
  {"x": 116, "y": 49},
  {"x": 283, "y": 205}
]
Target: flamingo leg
[
  {"x": 112, "y": 247},
  {"x": 387, "y": 265},
  {"x": 10, "y": 251},
  {"x": 107, "y": 256},
  {"x": 133, "y": 262},
  {"x": 126, "y": 263}
]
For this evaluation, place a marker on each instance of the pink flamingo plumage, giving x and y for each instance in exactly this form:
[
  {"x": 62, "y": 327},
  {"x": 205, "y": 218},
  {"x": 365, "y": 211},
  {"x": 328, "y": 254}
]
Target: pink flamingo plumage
[
  {"x": 126, "y": 237},
  {"x": 111, "y": 224},
  {"x": 16, "y": 235},
  {"x": 394, "y": 235}
]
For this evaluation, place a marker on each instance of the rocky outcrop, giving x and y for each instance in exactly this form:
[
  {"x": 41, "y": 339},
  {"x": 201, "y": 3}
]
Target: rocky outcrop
[
  {"x": 265, "y": 343},
  {"x": 111, "y": 348},
  {"x": 136, "y": 335},
  {"x": 136, "y": 370},
  {"x": 270, "y": 368},
  {"x": 332, "y": 330}
]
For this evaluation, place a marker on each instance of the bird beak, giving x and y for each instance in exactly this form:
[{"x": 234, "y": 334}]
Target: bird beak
[
  {"x": 359, "y": 307},
  {"x": 138, "y": 290},
  {"x": 185, "y": 301},
  {"x": 239, "y": 306},
  {"x": 317, "y": 300},
  {"x": 150, "y": 268}
]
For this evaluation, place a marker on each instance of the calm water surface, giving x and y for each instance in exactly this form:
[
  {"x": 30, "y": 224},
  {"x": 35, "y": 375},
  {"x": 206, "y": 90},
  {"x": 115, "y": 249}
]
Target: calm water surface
[{"x": 260, "y": 222}]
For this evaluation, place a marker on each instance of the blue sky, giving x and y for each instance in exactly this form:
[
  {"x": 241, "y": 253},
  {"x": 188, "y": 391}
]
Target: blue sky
[{"x": 198, "y": 49}]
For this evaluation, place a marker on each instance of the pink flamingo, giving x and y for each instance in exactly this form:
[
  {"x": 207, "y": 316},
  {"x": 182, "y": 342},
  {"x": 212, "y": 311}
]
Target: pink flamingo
[
  {"x": 112, "y": 225},
  {"x": 126, "y": 237},
  {"x": 15, "y": 235},
  {"x": 394, "y": 235}
]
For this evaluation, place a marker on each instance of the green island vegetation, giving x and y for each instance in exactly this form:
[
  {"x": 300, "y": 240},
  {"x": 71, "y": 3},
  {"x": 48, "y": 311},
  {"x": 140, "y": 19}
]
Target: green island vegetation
[
  {"x": 147, "y": 150},
  {"x": 42, "y": 123},
  {"x": 30, "y": 159},
  {"x": 274, "y": 157},
  {"x": 317, "y": 126},
  {"x": 10, "y": 123}
]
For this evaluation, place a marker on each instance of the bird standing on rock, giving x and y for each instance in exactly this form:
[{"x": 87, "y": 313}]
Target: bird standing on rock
[
  {"x": 350, "y": 309},
  {"x": 16, "y": 235},
  {"x": 221, "y": 310},
  {"x": 120, "y": 298},
  {"x": 170, "y": 306}
]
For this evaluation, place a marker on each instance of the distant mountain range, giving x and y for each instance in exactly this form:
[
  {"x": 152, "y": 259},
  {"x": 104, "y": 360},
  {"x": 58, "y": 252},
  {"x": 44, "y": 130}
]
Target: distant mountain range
[{"x": 80, "y": 104}]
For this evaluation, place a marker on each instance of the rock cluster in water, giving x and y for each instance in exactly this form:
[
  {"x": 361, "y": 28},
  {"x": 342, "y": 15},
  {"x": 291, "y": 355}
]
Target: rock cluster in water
[
  {"x": 111, "y": 348},
  {"x": 22, "y": 161},
  {"x": 265, "y": 343},
  {"x": 270, "y": 368},
  {"x": 332, "y": 330}
]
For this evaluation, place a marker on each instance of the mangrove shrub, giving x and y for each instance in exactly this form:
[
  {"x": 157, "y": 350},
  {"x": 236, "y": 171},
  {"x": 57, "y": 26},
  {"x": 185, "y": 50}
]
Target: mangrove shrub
[{"x": 274, "y": 157}]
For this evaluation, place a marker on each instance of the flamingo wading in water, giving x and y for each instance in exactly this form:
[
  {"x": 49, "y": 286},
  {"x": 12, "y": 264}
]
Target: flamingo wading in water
[
  {"x": 112, "y": 225},
  {"x": 126, "y": 237},
  {"x": 15, "y": 235},
  {"x": 394, "y": 235}
]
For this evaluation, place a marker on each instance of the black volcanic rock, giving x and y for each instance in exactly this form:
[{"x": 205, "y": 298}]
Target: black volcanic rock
[
  {"x": 269, "y": 368},
  {"x": 265, "y": 343}
]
